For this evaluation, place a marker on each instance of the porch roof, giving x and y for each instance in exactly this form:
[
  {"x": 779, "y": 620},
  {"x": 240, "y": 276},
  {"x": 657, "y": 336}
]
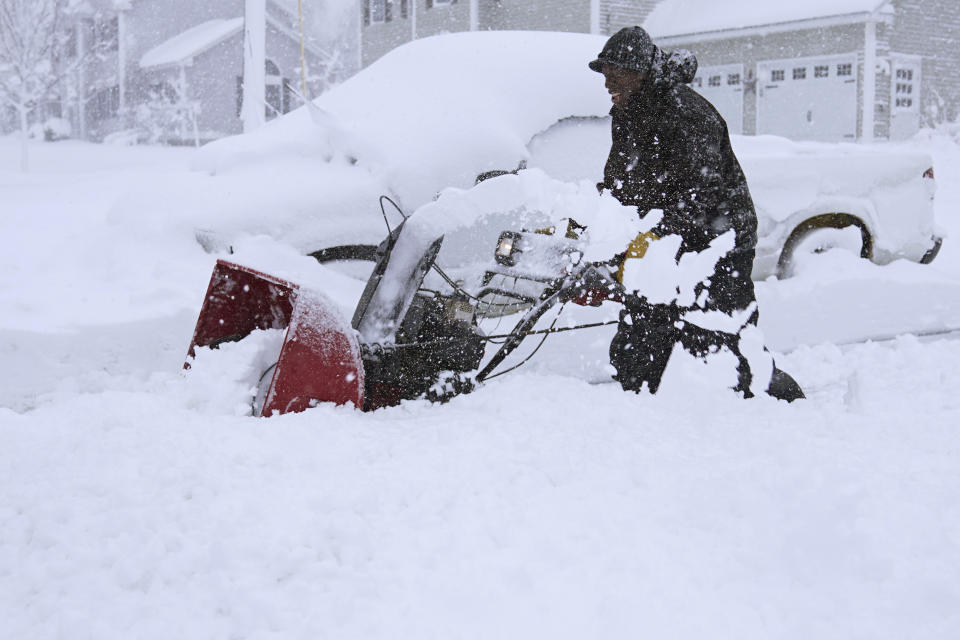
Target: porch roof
[{"x": 182, "y": 48}]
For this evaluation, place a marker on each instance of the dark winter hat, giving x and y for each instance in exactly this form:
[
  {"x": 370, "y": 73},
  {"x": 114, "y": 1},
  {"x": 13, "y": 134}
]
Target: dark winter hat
[{"x": 630, "y": 48}]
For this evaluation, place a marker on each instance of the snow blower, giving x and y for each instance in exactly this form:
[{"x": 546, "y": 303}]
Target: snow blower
[{"x": 405, "y": 340}]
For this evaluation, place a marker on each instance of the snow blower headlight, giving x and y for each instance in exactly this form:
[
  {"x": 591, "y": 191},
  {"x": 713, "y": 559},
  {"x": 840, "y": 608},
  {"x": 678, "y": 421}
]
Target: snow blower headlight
[{"x": 507, "y": 248}]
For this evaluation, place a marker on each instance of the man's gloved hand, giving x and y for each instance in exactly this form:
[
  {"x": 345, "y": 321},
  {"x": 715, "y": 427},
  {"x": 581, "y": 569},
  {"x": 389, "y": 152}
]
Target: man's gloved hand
[{"x": 635, "y": 250}]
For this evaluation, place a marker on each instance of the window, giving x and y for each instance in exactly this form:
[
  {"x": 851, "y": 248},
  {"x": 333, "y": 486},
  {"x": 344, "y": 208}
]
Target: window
[
  {"x": 106, "y": 33},
  {"x": 845, "y": 69},
  {"x": 164, "y": 92},
  {"x": 821, "y": 71},
  {"x": 376, "y": 11},
  {"x": 733, "y": 79},
  {"x": 714, "y": 81},
  {"x": 904, "y": 88},
  {"x": 777, "y": 75},
  {"x": 380, "y": 11},
  {"x": 273, "y": 92},
  {"x": 70, "y": 44},
  {"x": 105, "y": 103},
  {"x": 799, "y": 73},
  {"x": 277, "y": 92}
]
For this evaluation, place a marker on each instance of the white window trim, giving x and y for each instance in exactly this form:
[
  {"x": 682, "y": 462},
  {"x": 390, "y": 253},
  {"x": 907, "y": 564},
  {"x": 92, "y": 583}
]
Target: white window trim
[{"x": 383, "y": 13}]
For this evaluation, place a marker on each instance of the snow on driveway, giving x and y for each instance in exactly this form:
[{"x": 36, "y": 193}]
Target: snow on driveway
[{"x": 140, "y": 502}]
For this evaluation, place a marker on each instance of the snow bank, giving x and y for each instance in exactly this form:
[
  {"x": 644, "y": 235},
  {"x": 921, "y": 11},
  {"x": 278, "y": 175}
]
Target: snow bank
[{"x": 538, "y": 506}]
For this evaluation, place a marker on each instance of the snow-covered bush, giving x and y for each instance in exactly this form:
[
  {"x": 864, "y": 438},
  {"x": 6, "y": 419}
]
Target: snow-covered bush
[
  {"x": 166, "y": 117},
  {"x": 51, "y": 130}
]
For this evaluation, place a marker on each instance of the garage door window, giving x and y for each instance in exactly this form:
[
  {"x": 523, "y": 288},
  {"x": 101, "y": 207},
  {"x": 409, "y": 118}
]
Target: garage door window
[
  {"x": 733, "y": 79},
  {"x": 714, "y": 81},
  {"x": 904, "y": 89},
  {"x": 845, "y": 69},
  {"x": 777, "y": 75},
  {"x": 800, "y": 73},
  {"x": 821, "y": 71}
]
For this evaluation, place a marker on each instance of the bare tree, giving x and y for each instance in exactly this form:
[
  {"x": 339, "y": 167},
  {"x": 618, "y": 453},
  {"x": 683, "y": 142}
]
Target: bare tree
[{"x": 30, "y": 44}]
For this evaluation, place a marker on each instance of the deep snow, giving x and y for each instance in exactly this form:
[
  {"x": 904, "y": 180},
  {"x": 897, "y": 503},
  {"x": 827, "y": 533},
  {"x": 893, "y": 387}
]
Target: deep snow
[{"x": 143, "y": 502}]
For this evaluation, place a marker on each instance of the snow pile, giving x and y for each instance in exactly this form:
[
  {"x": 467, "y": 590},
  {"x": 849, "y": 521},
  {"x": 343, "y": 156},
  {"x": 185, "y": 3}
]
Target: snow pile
[
  {"x": 227, "y": 380},
  {"x": 472, "y": 219},
  {"x": 422, "y": 146},
  {"x": 538, "y": 506},
  {"x": 313, "y": 177}
]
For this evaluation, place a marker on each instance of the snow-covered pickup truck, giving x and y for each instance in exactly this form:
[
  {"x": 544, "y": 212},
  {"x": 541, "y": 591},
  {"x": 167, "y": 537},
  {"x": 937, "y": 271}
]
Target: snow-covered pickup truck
[
  {"x": 438, "y": 112},
  {"x": 873, "y": 200}
]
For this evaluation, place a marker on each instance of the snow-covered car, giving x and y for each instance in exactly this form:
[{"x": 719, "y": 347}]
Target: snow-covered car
[
  {"x": 439, "y": 112},
  {"x": 873, "y": 200}
]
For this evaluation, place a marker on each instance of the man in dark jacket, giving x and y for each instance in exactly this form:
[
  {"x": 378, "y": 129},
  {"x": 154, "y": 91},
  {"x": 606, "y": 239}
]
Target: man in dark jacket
[{"x": 671, "y": 153}]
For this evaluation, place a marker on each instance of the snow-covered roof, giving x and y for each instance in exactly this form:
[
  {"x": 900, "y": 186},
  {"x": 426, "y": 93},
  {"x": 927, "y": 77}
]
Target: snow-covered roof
[
  {"x": 682, "y": 17},
  {"x": 184, "y": 47}
]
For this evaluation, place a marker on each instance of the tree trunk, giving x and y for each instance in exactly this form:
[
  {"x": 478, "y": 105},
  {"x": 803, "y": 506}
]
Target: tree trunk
[{"x": 24, "y": 140}]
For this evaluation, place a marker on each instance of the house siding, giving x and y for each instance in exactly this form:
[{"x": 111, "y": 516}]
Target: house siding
[
  {"x": 502, "y": 15},
  {"x": 379, "y": 38},
  {"x": 212, "y": 81},
  {"x": 617, "y": 14},
  {"x": 931, "y": 28},
  {"x": 545, "y": 15}
]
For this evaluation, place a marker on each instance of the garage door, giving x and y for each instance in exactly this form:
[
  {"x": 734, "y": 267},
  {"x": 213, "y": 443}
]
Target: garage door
[
  {"x": 723, "y": 86},
  {"x": 808, "y": 98}
]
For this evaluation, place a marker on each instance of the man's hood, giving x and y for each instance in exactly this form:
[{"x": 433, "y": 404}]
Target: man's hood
[{"x": 673, "y": 68}]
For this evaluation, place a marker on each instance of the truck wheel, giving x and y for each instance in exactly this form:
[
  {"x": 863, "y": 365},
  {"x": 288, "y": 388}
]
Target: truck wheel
[{"x": 821, "y": 234}]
